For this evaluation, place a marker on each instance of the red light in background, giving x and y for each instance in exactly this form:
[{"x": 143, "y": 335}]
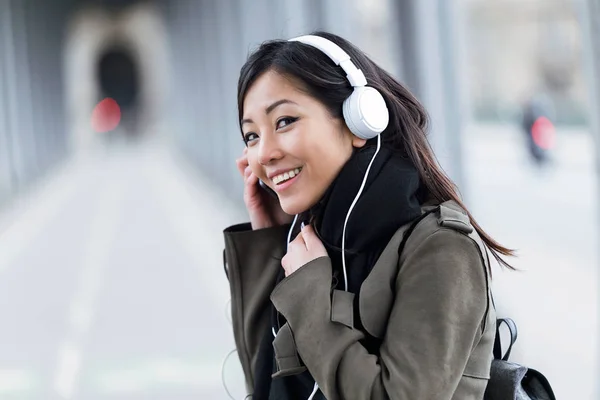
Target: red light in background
[
  {"x": 106, "y": 116},
  {"x": 543, "y": 133}
]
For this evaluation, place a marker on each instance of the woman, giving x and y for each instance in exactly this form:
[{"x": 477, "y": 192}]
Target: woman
[{"x": 361, "y": 276}]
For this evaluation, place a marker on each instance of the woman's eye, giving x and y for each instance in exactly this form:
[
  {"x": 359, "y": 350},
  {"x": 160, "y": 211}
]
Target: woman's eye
[
  {"x": 250, "y": 137},
  {"x": 285, "y": 121}
]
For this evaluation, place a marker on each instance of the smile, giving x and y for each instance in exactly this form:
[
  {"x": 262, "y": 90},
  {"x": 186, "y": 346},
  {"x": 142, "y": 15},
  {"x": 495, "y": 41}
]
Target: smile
[{"x": 281, "y": 178}]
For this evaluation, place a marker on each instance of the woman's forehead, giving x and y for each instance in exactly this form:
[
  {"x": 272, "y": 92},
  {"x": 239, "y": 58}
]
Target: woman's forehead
[
  {"x": 269, "y": 88},
  {"x": 271, "y": 83}
]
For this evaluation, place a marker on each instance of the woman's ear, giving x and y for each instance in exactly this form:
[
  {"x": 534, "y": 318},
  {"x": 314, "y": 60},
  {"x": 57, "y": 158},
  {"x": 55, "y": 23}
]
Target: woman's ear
[{"x": 358, "y": 142}]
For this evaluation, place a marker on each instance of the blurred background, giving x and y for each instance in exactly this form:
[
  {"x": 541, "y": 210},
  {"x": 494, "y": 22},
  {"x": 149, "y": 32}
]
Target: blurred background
[{"x": 118, "y": 135}]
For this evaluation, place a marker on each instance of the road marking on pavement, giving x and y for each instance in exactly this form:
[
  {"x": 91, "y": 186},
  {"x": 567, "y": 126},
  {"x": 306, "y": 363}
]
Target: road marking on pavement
[
  {"x": 69, "y": 362},
  {"x": 17, "y": 382},
  {"x": 95, "y": 261}
]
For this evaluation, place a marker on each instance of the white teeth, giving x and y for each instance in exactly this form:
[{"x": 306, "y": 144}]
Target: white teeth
[{"x": 285, "y": 176}]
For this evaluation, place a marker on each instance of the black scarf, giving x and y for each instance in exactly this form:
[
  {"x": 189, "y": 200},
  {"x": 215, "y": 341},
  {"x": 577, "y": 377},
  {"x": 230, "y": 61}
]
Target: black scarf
[{"x": 389, "y": 200}]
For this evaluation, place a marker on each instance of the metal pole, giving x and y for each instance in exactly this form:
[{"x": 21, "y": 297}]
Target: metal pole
[
  {"x": 24, "y": 98},
  {"x": 36, "y": 35},
  {"x": 8, "y": 178},
  {"x": 428, "y": 33},
  {"x": 8, "y": 57},
  {"x": 589, "y": 19},
  {"x": 451, "y": 34}
]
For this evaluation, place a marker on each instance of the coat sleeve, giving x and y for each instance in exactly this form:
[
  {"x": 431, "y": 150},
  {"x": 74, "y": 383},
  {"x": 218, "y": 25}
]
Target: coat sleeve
[
  {"x": 435, "y": 321},
  {"x": 252, "y": 261}
]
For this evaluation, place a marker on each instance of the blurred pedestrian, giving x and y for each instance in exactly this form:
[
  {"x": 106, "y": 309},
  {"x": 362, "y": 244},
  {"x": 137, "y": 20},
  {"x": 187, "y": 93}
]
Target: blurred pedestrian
[{"x": 539, "y": 130}]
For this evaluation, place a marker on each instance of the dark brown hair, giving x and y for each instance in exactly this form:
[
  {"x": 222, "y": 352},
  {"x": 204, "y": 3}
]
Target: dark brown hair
[{"x": 322, "y": 79}]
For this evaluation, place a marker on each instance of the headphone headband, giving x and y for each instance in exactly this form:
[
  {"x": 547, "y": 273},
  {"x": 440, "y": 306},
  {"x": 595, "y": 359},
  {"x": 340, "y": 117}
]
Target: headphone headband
[{"x": 337, "y": 55}]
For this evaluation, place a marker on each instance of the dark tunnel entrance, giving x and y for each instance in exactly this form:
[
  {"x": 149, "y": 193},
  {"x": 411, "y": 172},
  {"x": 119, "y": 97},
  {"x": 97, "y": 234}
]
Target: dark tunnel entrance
[{"x": 118, "y": 77}]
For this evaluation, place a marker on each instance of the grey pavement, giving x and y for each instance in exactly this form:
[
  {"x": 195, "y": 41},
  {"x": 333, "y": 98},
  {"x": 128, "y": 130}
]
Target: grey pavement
[
  {"x": 112, "y": 284},
  {"x": 551, "y": 218}
]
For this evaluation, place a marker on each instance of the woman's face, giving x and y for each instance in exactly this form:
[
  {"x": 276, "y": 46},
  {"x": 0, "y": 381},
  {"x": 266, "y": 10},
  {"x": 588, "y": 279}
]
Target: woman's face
[{"x": 294, "y": 145}]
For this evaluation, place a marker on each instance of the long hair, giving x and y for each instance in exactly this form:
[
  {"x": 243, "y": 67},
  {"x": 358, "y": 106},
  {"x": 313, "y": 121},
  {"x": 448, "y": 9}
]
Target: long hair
[{"x": 407, "y": 130}]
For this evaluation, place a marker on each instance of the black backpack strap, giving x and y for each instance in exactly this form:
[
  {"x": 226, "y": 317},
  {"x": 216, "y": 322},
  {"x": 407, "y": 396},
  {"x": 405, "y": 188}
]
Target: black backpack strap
[
  {"x": 512, "y": 327},
  {"x": 412, "y": 227}
]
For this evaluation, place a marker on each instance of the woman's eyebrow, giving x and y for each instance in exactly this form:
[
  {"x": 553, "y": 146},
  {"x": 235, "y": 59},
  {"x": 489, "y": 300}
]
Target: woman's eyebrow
[
  {"x": 270, "y": 109},
  {"x": 273, "y": 106}
]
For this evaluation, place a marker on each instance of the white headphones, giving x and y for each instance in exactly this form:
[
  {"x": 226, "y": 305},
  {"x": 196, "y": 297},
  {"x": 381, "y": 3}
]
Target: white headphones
[{"x": 365, "y": 112}]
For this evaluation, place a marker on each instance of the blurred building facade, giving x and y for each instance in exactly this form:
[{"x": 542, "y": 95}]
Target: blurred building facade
[
  {"x": 530, "y": 48},
  {"x": 189, "y": 54},
  {"x": 32, "y": 124}
]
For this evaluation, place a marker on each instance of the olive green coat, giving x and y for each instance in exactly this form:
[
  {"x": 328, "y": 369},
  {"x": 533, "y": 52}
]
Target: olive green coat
[{"x": 431, "y": 307}]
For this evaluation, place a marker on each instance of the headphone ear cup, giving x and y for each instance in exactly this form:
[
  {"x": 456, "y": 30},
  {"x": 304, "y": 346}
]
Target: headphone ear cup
[{"x": 365, "y": 112}]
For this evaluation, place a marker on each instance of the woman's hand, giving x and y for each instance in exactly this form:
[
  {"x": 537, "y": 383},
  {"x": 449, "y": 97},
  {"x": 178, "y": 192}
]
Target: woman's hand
[
  {"x": 303, "y": 249},
  {"x": 263, "y": 209}
]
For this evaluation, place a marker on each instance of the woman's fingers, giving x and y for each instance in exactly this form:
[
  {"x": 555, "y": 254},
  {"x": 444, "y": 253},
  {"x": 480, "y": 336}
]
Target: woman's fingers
[
  {"x": 252, "y": 188},
  {"x": 251, "y": 179},
  {"x": 241, "y": 164}
]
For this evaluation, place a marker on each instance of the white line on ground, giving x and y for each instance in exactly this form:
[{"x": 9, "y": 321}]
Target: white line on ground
[
  {"x": 15, "y": 381},
  {"x": 69, "y": 362},
  {"x": 94, "y": 264}
]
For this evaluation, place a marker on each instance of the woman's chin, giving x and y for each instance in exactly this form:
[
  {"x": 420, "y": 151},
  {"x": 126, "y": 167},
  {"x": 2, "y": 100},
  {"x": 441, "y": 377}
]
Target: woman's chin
[{"x": 294, "y": 206}]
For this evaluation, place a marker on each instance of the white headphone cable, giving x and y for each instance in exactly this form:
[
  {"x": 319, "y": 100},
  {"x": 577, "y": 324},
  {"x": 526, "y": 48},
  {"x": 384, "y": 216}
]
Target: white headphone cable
[
  {"x": 289, "y": 237},
  {"x": 362, "y": 186},
  {"x": 314, "y": 392},
  {"x": 228, "y": 312},
  {"x": 223, "y": 373}
]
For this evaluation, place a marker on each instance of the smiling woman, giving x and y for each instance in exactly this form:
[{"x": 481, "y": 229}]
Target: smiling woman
[
  {"x": 279, "y": 119},
  {"x": 331, "y": 297}
]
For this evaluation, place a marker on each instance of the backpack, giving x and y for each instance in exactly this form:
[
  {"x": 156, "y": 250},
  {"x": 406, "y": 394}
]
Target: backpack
[
  {"x": 508, "y": 380},
  {"x": 511, "y": 381}
]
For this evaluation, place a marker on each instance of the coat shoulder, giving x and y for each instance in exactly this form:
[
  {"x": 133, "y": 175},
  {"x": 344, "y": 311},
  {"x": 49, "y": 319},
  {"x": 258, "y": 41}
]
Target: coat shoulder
[{"x": 446, "y": 223}]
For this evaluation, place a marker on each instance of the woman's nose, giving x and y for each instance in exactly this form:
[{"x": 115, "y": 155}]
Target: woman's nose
[{"x": 268, "y": 150}]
